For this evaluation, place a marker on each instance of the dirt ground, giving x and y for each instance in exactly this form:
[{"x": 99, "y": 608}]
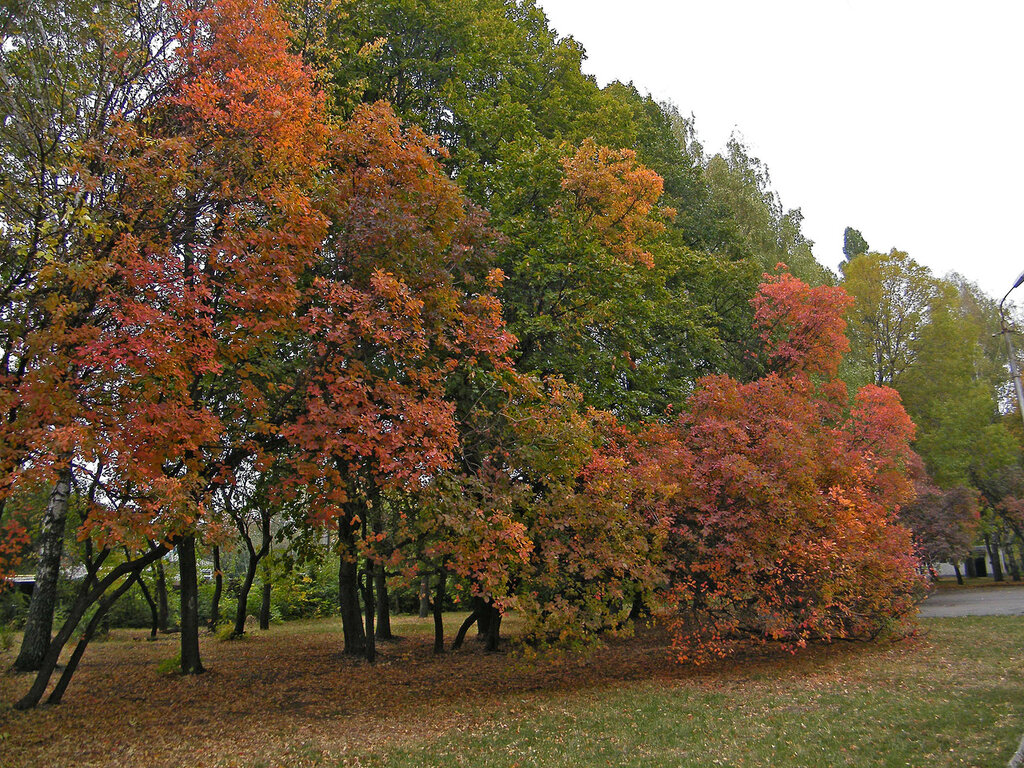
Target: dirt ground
[{"x": 287, "y": 693}]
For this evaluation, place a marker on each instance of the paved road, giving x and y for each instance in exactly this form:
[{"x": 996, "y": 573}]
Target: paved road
[{"x": 982, "y": 601}]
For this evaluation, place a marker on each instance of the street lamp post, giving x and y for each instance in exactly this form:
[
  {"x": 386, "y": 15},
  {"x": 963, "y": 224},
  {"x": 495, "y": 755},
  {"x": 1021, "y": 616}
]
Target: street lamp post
[{"x": 1005, "y": 331}]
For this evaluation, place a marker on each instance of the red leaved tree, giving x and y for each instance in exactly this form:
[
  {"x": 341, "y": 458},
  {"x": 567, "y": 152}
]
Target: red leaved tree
[{"x": 783, "y": 527}]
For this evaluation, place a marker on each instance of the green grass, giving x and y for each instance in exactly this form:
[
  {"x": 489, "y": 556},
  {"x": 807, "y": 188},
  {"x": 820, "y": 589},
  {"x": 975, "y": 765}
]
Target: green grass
[{"x": 954, "y": 699}]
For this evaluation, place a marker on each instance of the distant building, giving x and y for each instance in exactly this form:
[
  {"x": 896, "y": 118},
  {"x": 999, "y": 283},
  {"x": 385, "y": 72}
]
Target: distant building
[
  {"x": 24, "y": 582},
  {"x": 977, "y": 564}
]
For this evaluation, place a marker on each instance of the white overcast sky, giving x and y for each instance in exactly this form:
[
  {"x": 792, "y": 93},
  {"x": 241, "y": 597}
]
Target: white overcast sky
[{"x": 901, "y": 118}]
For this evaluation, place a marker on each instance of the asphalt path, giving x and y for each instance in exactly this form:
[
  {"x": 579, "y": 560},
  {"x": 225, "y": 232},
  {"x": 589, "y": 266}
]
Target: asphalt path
[{"x": 981, "y": 601}]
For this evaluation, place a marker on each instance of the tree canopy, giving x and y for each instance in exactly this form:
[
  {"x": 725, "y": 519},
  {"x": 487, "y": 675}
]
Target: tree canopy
[{"x": 394, "y": 285}]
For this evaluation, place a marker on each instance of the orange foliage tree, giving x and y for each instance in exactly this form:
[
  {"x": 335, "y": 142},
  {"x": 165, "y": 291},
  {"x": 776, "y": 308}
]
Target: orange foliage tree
[
  {"x": 214, "y": 228},
  {"x": 560, "y": 518},
  {"x": 617, "y": 198},
  {"x": 399, "y": 305}
]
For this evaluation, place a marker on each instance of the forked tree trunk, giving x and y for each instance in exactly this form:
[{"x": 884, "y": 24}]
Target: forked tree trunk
[
  {"x": 39, "y": 622},
  {"x": 956, "y": 570},
  {"x": 488, "y": 621},
  {"x": 243, "y": 594},
  {"x": 190, "y": 661},
  {"x": 98, "y": 618},
  {"x": 255, "y": 556},
  {"x": 993, "y": 555},
  {"x": 88, "y": 594}
]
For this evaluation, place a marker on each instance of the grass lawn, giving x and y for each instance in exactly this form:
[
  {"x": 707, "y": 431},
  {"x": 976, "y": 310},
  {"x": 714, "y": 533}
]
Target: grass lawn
[{"x": 952, "y": 696}]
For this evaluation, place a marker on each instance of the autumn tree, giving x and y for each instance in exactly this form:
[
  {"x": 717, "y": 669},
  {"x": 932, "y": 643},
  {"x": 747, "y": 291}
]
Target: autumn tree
[
  {"x": 69, "y": 74},
  {"x": 214, "y": 229},
  {"x": 400, "y": 301},
  {"x": 597, "y": 525},
  {"x": 507, "y": 98},
  {"x": 783, "y": 528},
  {"x": 559, "y": 518},
  {"x": 230, "y": 154}
]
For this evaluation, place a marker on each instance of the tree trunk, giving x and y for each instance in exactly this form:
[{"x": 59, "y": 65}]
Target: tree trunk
[
  {"x": 488, "y": 622},
  {"x": 383, "y": 604},
  {"x": 460, "y": 636},
  {"x": 265, "y": 601},
  {"x": 39, "y": 623},
  {"x": 424, "y": 597},
  {"x": 483, "y": 617},
  {"x": 970, "y": 567},
  {"x": 376, "y": 578},
  {"x": 162, "y": 608},
  {"x": 348, "y": 593},
  {"x": 152, "y": 608},
  {"x": 242, "y": 611},
  {"x": 217, "y": 589},
  {"x": 190, "y": 661},
  {"x": 370, "y": 651},
  {"x": 494, "y": 629},
  {"x": 243, "y": 595},
  {"x": 956, "y": 570},
  {"x": 268, "y": 579},
  {"x": 639, "y": 609},
  {"x": 993, "y": 556},
  {"x": 1011, "y": 562},
  {"x": 442, "y": 581},
  {"x": 87, "y": 595}
]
